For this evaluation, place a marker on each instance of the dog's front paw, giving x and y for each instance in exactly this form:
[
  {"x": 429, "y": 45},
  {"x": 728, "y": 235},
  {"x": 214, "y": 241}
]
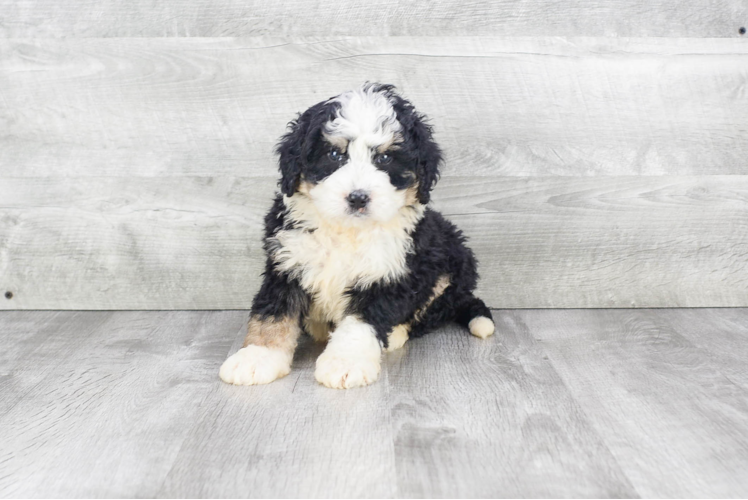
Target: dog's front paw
[
  {"x": 255, "y": 364},
  {"x": 339, "y": 372}
]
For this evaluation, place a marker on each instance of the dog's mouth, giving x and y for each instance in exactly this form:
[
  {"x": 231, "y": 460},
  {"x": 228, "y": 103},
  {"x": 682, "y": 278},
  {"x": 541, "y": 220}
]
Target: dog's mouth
[{"x": 358, "y": 212}]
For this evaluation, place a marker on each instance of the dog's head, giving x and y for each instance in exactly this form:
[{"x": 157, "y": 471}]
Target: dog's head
[{"x": 360, "y": 156}]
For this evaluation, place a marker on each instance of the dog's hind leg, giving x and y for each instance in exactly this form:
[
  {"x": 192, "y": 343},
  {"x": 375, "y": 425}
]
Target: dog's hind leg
[
  {"x": 473, "y": 314},
  {"x": 397, "y": 337}
]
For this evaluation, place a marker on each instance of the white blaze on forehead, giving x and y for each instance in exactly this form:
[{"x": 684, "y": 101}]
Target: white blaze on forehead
[{"x": 365, "y": 115}]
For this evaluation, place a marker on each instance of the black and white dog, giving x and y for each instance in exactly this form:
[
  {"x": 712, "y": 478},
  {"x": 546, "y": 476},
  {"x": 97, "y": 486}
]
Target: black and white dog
[{"x": 354, "y": 255}]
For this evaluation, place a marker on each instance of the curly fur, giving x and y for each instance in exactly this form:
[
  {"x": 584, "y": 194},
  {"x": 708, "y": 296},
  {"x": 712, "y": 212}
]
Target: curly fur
[{"x": 353, "y": 252}]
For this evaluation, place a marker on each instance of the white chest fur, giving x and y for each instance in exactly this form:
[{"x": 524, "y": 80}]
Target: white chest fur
[{"x": 328, "y": 258}]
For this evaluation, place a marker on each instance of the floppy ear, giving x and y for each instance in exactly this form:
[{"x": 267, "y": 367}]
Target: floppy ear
[
  {"x": 429, "y": 158},
  {"x": 427, "y": 152},
  {"x": 299, "y": 142},
  {"x": 290, "y": 151}
]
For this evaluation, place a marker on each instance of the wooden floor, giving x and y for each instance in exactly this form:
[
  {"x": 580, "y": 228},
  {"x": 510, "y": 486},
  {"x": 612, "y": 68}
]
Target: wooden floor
[{"x": 582, "y": 403}]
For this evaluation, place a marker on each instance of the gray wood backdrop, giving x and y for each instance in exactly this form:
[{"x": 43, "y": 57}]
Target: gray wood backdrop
[{"x": 597, "y": 152}]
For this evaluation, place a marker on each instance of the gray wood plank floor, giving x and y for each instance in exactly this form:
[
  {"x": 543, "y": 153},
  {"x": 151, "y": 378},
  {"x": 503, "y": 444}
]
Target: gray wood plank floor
[{"x": 585, "y": 403}]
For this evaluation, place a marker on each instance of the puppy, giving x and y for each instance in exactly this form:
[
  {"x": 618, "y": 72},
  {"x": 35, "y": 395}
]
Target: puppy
[{"x": 354, "y": 255}]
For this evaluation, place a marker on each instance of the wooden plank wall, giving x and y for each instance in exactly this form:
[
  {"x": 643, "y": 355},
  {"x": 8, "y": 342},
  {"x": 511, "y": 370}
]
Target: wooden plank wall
[{"x": 597, "y": 152}]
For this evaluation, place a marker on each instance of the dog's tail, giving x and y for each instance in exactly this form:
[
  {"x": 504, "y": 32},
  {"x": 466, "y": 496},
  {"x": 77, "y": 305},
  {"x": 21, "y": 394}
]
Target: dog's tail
[{"x": 476, "y": 317}]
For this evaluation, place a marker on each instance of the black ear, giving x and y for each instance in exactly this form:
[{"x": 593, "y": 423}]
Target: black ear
[
  {"x": 418, "y": 136},
  {"x": 289, "y": 150},
  {"x": 298, "y": 143},
  {"x": 429, "y": 158}
]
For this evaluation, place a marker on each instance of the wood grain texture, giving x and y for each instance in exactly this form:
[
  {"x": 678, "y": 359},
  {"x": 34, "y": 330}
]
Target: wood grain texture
[
  {"x": 525, "y": 106},
  {"x": 43, "y": 338},
  {"x": 660, "y": 402},
  {"x": 606, "y": 242},
  {"x": 559, "y": 403},
  {"x": 490, "y": 419},
  {"x": 108, "y": 18},
  {"x": 118, "y": 243},
  {"x": 103, "y": 402},
  {"x": 292, "y": 438},
  {"x": 723, "y": 334},
  {"x": 194, "y": 243}
]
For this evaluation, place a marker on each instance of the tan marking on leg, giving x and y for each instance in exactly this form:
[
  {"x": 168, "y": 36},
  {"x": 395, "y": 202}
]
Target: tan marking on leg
[
  {"x": 267, "y": 353},
  {"x": 282, "y": 333},
  {"x": 397, "y": 337},
  {"x": 318, "y": 330},
  {"x": 441, "y": 285}
]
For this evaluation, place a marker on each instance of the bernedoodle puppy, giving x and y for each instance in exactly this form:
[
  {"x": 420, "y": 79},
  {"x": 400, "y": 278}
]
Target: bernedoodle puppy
[{"x": 354, "y": 255}]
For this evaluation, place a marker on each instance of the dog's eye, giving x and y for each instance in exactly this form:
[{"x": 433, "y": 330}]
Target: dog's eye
[
  {"x": 336, "y": 155},
  {"x": 383, "y": 159}
]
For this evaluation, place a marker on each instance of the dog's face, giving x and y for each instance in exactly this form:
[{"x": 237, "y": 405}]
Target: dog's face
[{"x": 360, "y": 157}]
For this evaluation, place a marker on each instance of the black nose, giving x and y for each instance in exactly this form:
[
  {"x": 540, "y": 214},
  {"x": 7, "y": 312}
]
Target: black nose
[{"x": 358, "y": 199}]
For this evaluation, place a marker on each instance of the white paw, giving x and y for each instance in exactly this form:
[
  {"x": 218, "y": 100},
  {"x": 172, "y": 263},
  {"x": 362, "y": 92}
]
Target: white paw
[
  {"x": 346, "y": 372},
  {"x": 255, "y": 364},
  {"x": 481, "y": 326}
]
